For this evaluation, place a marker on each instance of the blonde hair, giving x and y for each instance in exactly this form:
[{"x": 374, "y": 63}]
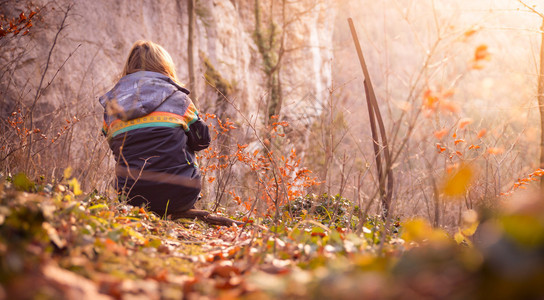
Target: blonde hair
[{"x": 148, "y": 56}]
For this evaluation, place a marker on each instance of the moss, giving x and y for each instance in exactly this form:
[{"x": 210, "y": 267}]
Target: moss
[
  {"x": 215, "y": 79},
  {"x": 268, "y": 45},
  {"x": 266, "y": 41},
  {"x": 203, "y": 13}
]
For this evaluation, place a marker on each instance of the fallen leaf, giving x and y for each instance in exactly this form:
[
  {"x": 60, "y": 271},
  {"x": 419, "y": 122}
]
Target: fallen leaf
[
  {"x": 225, "y": 271},
  {"x": 54, "y": 235}
]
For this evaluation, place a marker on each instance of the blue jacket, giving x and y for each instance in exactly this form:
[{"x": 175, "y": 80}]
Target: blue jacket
[{"x": 153, "y": 129}]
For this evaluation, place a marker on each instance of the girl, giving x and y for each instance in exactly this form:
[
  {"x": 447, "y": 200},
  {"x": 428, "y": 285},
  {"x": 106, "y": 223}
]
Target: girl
[{"x": 154, "y": 129}]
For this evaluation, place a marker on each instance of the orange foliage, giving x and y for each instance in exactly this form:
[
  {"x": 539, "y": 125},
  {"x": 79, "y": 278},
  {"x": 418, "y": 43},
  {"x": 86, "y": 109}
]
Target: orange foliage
[
  {"x": 433, "y": 100},
  {"x": 521, "y": 183},
  {"x": 482, "y": 133},
  {"x": 440, "y": 134},
  {"x": 449, "y": 106},
  {"x": 458, "y": 181},
  {"x": 17, "y": 25},
  {"x": 482, "y": 53},
  {"x": 464, "y": 122},
  {"x": 429, "y": 100},
  {"x": 470, "y": 32},
  {"x": 495, "y": 150},
  {"x": 280, "y": 178},
  {"x": 459, "y": 141}
]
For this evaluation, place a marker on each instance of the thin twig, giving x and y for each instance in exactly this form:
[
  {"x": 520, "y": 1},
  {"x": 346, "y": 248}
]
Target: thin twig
[
  {"x": 532, "y": 9},
  {"x": 39, "y": 89}
]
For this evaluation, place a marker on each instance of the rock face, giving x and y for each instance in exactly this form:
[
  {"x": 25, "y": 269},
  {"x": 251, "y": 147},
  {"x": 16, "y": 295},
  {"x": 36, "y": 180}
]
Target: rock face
[
  {"x": 103, "y": 32},
  {"x": 91, "y": 49}
]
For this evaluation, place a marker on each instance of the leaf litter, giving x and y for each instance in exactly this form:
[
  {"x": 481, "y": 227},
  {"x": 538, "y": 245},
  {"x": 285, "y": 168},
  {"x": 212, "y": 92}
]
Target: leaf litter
[{"x": 56, "y": 243}]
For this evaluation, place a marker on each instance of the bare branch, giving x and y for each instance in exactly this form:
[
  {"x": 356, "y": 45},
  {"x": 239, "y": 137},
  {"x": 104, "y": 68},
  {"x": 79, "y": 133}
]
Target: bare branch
[
  {"x": 39, "y": 89},
  {"x": 532, "y": 9}
]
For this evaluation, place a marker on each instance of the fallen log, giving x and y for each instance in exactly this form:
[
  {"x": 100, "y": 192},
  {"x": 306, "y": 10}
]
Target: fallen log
[{"x": 205, "y": 216}]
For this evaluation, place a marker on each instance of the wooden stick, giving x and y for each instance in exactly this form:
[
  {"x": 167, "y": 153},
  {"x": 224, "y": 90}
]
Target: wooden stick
[{"x": 384, "y": 174}]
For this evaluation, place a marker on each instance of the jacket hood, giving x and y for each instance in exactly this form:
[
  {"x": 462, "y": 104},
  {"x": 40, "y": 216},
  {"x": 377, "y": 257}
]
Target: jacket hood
[{"x": 138, "y": 94}]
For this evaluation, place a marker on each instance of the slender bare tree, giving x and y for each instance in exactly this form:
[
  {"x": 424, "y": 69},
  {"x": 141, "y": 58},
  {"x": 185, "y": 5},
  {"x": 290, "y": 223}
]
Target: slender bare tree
[
  {"x": 190, "y": 47},
  {"x": 540, "y": 90}
]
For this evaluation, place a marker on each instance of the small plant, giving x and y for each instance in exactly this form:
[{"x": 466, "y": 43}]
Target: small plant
[
  {"x": 272, "y": 180},
  {"x": 20, "y": 25}
]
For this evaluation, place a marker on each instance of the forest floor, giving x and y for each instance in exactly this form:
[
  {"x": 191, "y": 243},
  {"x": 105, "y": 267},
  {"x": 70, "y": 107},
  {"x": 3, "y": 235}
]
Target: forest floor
[{"x": 58, "y": 243}]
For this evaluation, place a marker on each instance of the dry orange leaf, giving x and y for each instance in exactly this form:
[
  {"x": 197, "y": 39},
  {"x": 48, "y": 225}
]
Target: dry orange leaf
[
  {"x": 538, "y": 172},
  {"x": 482, "y": 133},
  {"x": 440, "y": 134},
  {"x": 449, "y": 106},
  {"x": 464, "y": 122},
  {"x": 481, "y": 53},
  {"x": 470, "y": 32},
  {"x": 225, "y": 271},
  {"x": 459, "y": 141},
  {"x": 458, "y": 182},
  {"x": 430, "y": 100},
  {"x": 448, "y": 93},
  {"x": 320, "y": 234},
  {"x": 495, "y": 150},
  {"x": 476, "y": 66}
]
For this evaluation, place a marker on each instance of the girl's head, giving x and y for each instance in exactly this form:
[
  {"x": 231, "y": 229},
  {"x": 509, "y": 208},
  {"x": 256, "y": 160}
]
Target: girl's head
[{"x": 148, "y": 56}]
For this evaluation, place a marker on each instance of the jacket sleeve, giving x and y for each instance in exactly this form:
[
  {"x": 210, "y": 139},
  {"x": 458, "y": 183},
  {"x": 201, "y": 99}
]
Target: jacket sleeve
[{"x": 198, "y": 136}]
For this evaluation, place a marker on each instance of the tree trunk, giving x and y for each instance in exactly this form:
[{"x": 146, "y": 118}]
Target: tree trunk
[
  {"x": 541, "y": 103},
  {"x": 190, "y": 50}
]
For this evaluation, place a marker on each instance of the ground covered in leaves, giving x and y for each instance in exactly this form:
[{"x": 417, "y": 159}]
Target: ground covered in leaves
[{"x": 57, "y": 243}]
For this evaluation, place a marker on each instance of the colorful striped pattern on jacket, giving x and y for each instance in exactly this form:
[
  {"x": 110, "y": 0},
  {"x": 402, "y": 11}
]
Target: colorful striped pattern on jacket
[{"x": 154, "y": 119}]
